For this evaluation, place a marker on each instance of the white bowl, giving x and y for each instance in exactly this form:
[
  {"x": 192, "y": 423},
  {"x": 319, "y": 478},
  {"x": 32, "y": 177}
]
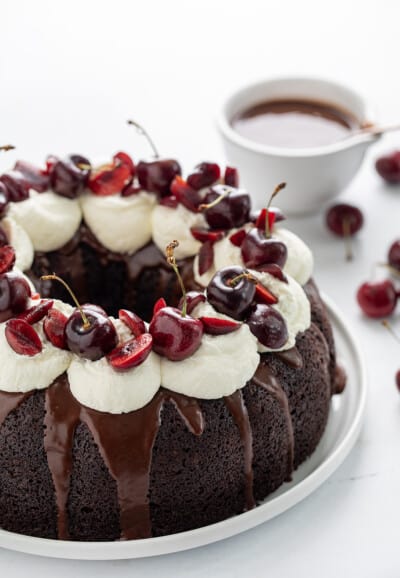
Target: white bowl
[{"x": 314, "y": 176}]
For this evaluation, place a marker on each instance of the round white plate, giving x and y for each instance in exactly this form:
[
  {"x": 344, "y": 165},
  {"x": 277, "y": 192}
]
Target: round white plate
[{"x": 340, "y": 435}]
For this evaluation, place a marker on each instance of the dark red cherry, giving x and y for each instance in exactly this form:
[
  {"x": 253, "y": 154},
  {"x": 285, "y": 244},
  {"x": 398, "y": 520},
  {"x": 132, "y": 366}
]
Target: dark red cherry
[
  {"x": 268, "y": 325},
  {"x": 157, "y": 175},
  {"x": 193, "y": 298},
  {"x": 188, "y": 197},
  {"x": 344, "y": 220},
  {"x": 69, "y": 176},
  {"x": 174, "y": 336},
  {"x": 22, "y": 337},
  {"x": 16, "y": 186},
  {"x": 274, "y": 216},
  {"x": 388, "y": 166},
  {"x": 231, "y": 298},
  {"x": 257, "y": 249},
  {"x": 54, "y": 328},
  {"x": 36, "y": 178},
  {"x": 169, "y": 201},
  {"x": 14, "y": 294},
  {"x": 3, "y": 198},
  {"x": 202, "y": 234},
  {"x": 218, "y": 326},
  {"x": 131, "y": 353},
  {"x": 204, "y": 175},
  {"x": 397, "y": 379},
  {"x": 94, "y": 341},
  {"x": 237, "y": 238},
  {"x": 377, "y": 298},
  {"x": 36, "y": 312},
  {"x": 110, "y": 180},
  {"x": 7, "y": 258},
  {"x": 394, "y": 255},
  {"x": 3, "y": 237},
  {"x": 231, "y": 177},
  {"x": 232, "y": 211},
  {"x": 132, "y": 321},
  {"x": 206, "y": 257}
]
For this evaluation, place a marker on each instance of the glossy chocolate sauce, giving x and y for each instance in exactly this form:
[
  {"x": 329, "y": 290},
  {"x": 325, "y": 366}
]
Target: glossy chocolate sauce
[{"x": 294, "y": 123}]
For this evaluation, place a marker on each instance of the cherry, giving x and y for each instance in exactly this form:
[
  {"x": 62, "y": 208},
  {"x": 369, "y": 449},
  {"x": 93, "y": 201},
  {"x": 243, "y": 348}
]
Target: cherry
[
  {"x": 188, "y": 197},
  {"x": 16, "y": 186},
  {"x": 3, "y": 198},
  {"x": 7, "y": 258},
  {"x": 132, "y": 321},
  {"x": 112, "y": 178},
  {"x": 377, "y": 298},
  {"x": 388, "y": 167},
  {"x": 257, "y": 250},
  {"x": 193, "y": 298},
  {"x": 54, "y": 328},
  {"x": 170, "y": 201},
  {"x": 156, "y": 175},
  {"x": 68, "y": 177},
  {"x": 344, "y": 220},
  {"x": 274, "y": 216},
  {"x": 206, "y": 257},
  {"x": 238, "y": 237},
  {"x": 218, "y": 326},
  {"x": 231, "y": 291},
  {"x": 14, "y": 294},
  {"x": 264, "y": 296},
  {"x": 3, "y": 237},
  {"x": 397, "y": 378},
  {"x": 176, "y": 335},
  {"x": 36, "y": 312},
  {"x": 268, "y": 325},
  {"x": 231, "y": 177},
  {"x": 131, "y": 353},
  {"x": 159, "y": 304},
  {"x": 22, "y": 337},
  {"x": 225, "y": 208},
  {"x": 88, "y": 332},
  {"x": 394, "y": 255},
  {"x": 205, "y": 175},
  {"x": 202, "y": 234},
  {"x": 36, "y": 178}
]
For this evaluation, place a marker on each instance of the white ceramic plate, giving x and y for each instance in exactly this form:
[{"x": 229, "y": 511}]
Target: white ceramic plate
[{"x": 341, "y": 433}]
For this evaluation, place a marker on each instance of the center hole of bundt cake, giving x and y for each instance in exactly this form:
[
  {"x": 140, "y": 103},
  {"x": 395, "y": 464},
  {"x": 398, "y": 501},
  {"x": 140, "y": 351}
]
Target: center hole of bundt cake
[{"x": 113, "y": 281}]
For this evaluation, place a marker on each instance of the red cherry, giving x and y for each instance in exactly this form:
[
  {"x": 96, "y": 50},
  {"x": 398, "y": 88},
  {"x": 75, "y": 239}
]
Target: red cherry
[
  {"x": 186, "y": 195},
  {"x": 175, "y": 336},
  {"x": 36, "y": 178},
  {"x": 206, "y": 257},
  {"x": 202, "y": 234},
  {"x": 159, "y": 304},
  {"x": 54, "y": 328},
  {"x": 264, "y": 296},
  {"x": 274, "y": 216},
  {"x": 3, "y": 236},
  {"x": 4, "y": 198},
  {"x": 238, "y": 237},
  {"x": 16, "y": 186},
  {"x": 257, "y": 249},
  {"x": 231, "y": 177},
  {"x": 132, "y": 321},
  {"x": 112, "y": 179},
  {"x": 217, "y": 326},
  {"x": 131, "y": 353},
  {"x": 37, "y": 312},
  {"x": 124, "y": 159},
  {"x": 398, "y": 379},
  {"x": 344, "y": 220},
  {"x": 205, "y": 175},
  {"x": 193, "y": 298},
  {"x": 169, "y": 201},
  {"x": 7, "y": 258},
  {"x": 22, "y": 338},
  {"x": 394, "y": 255},
  {"x": 157, "y": 175},
  {"x": 377, "y": 299},
  {"x": 388, "y": 167},
  {"x": 69, "y": 176}
]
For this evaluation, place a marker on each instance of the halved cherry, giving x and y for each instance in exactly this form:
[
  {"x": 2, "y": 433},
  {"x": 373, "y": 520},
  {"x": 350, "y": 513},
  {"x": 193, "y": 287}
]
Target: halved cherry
[
  {"x": 202, "y": 234},
  {"x": 37, "y": 179},
  {"x": 274, "y": 270},
  {"x": 238, "y": 237},
  {"x": 169, "y": 201},
  {"x": 113, "y": 178},
  {"x": 204, "y": 175},
  {"x": 131, "y": 353},
  {"x": 264, "y": 296},
  {"x": 131, "y": 190},
  {"x": 193, "y": 298},
  {"x": 274, "y": 216},
  {"x": 22, "y": 338},
  {"x": 231, "y": 177},
  {"x": 124, "y": 159},
  {"x": 54, "y": 328},
  {"x": 159, "y": 304},
  {"x": 217, "y": 326},
  {"x": 132, "y": 321},
  {"x": 37, "y": 312},
  {"x": 186, "y": 195},
  {"x": 206, "y": 257},
  {"x": 7, "y": 258}
]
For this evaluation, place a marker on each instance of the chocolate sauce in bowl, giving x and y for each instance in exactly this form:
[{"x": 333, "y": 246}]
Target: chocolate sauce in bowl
[{"x": 294, "y": 123}]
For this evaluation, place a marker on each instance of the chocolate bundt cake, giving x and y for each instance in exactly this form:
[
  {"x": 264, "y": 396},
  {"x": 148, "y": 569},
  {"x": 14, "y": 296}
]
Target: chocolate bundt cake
[{"x": 114, "y": 428}]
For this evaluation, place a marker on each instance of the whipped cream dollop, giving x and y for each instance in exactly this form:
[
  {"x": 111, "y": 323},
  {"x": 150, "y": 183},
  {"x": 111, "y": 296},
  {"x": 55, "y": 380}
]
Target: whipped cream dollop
[
  {"x": 49, "y": 219},
  {"x": 21, "y": 242},
  {"x": 299, "y": 263},
  {"x": 169, "y": 224},
  {"x": 98, "y": 386},
  {"x": 292, "y": 304},
  {"x": 121, "y": 224},
  {"x": 221, "y": 365},
  {"x": 21, "y": 373}
]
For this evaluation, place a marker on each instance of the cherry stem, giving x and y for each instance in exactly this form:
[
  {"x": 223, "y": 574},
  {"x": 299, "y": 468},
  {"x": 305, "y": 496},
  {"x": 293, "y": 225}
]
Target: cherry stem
[
  {"x": 277, "y": 189},
  {"x": 387, "y": 326},
  {"x": 392, "y": 270},
  {"x": 144, "y": 132},
  {"x": 172, "y": 261},
  {"x": 204, "y": 207},
  {"x": 347, "y": 238},
  {"x": 233, "y": 282},
  {"x": 54, "y": 277},
  {"x": 7, "y": 147}
]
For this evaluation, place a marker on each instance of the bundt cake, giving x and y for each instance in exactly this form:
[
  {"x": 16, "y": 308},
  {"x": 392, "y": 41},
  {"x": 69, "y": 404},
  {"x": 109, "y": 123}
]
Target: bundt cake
[{"x": 149, "y": 410}]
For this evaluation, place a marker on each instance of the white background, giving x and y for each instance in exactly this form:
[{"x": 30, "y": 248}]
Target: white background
[{"x": 72, "y": 72}]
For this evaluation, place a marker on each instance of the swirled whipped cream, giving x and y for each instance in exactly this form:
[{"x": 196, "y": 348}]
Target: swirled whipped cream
[
  {"x": 97, "y": 385},
  {"x": 299, "y": 263},
  {"x": 169, "y": 224},
  {"x": 18, "y": 238},
  {"x": 292, "y": 304},
  {"x": 221, "y": 365},
  {"x": 20, "y": 374},
  {"x": 49, "y": 219},
  {"x": 121, "y": 224}
]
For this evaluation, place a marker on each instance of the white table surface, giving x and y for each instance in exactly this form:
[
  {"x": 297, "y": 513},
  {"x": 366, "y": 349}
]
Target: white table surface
[{"x": 71, "y": 73}]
